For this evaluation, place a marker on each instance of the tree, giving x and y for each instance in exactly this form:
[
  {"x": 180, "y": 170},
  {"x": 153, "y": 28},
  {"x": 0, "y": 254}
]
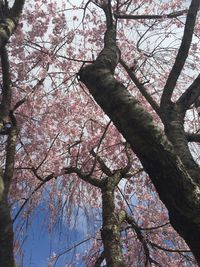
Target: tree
[{"x": 139, "y": 61}]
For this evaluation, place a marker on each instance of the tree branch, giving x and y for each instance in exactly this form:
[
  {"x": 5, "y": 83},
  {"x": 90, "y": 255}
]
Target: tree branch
[
  {"x": 83, "y": 176},
  {"x": 141, "y": 88},
  {"x": 44, "y": 180},
  {"x": 182, "y": 53},
  {"x": 104, "y": 168},
  {"x": 100, "y": 260},
  {"x": 153, "y": 16},
  {"x": 141, "y": 238},
  {"x": 177, "y": 188},
  {"x": 69, "y": 249},
  {"x": 167, "y": 249},
  {"x": 190, "y": 95},
  {"x": 6, "y": 89},
  {"x": 192, "y": 137},
  {"x": 102, "y": 164}
]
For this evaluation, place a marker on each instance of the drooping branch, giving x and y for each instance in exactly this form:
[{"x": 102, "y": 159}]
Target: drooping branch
[
  {"x": 147, "y": 243},
  {"x": 182, "y": 54},
  {"x": 168, "y": 249},
  {"x": 44, "y": 181},
  {"x": 142, "y": 239},
  {"x": 69, "y": 249}
]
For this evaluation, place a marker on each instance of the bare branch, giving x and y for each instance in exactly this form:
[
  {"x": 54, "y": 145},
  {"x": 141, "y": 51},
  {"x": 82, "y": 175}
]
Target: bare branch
[
  {"x": 24, "y": 99},
  {"x": 83, "y": 176},
  {"x": 141, "y": 88},
  {"x": 69, "y": 249},
  {"x": 126, "y": 169},
  {"x": 45, "y": 157},
  {"x": 105, "y": 169},
  {"x": 167, "y": 249},
  {"x": 44, "y": 180},
  {"x": 102, "y": 164},
  {"x": 142, "y": 239},
  {"x": 153, "y": 16},
  {"x": 151, "y": 228}
]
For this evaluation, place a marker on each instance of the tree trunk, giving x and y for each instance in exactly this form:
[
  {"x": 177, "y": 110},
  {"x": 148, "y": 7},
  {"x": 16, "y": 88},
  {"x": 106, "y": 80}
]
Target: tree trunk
[
  {"x": 111, "y": 224},
  {"x": 6, "y": 236},
  {"x": 176, "y": 187}
]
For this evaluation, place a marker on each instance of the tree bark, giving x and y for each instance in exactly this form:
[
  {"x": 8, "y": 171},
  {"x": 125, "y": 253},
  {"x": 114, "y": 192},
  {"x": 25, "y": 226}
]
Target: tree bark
[
  {"x": 9, "y": 23},
  {"x": 6, "y": 236},
  {"x": 177, "y": 187},
  {"x": 111, "y": 224}
]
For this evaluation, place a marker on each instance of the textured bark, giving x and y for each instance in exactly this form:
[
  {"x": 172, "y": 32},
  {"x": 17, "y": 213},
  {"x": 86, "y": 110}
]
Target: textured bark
[
  {"x": 6, "y": 226},
  {"x": 174, "y": 129},
  {"x": 175, "y": 186},
  {"x": 111, "y": 219},
  {"x": 1, "y": 185},
  {"x": 9, "y": 22},
  {"x": 182, "y": 53},
  {"x": 169, "y": 166},
  {"x": 6, "y": 236},
  {"x": 111, "y": 224}
]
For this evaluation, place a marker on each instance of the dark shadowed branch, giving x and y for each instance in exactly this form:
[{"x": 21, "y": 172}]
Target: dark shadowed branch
[
  {"x": 190, "y": 95},
  {"x": 153, "y": 16},
  {"x": 182, "y": 53}
]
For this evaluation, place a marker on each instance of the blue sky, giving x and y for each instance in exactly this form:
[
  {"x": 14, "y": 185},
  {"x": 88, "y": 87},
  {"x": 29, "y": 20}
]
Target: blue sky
[{"x": 39, "y": 244}]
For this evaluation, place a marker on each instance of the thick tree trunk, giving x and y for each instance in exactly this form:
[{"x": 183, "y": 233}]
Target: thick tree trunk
[
  {"x": 6, "y": 236},
  {"x": 177, "y": 187},
  {"x": 6, "y": 225},
  {"x": 8, "y": 25}
]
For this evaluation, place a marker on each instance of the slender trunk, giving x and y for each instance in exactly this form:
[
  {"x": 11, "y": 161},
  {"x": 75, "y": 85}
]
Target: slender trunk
[{"x": 111, "y": 226}]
